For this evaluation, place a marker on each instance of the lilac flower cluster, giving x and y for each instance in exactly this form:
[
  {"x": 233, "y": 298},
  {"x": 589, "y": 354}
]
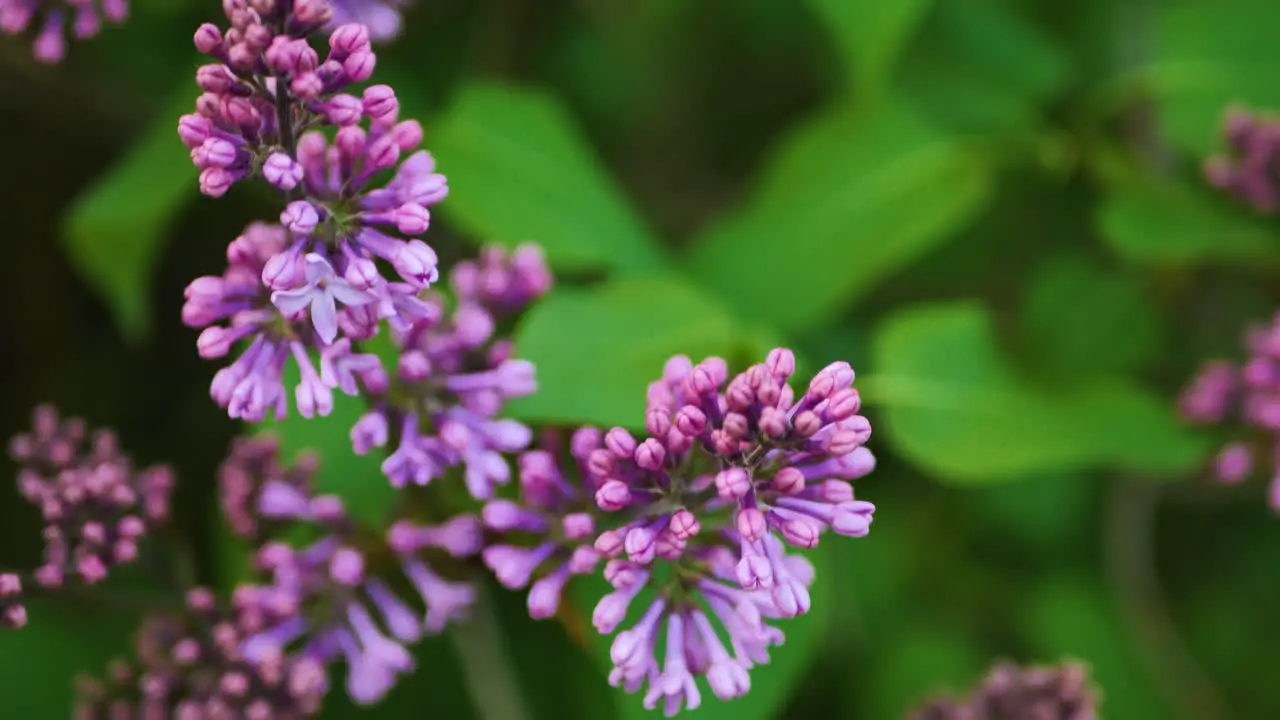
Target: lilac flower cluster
[
  {"x": 316, "y": 281},
  {"x": 1248, "y": 394},
  {"x": 52, "y": 16},
  {"x": 453, "y": 374},
  {"x": 96, "y": 506},
  {"x": 193, "y": 665},
  {"x": 1250, "y": 168},
  {"x": 325, "y": 606},
  {"x": 733, "y": 471},
  {"x": 1009, "y": 692}
]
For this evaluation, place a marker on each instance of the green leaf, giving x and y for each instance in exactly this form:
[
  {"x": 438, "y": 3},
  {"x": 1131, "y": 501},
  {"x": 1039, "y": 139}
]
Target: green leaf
[
  {"x": 1080, "y": 320},
  {"x": 597, "y": 350},
  {"x": 847, "y": 200},
  {"x": 1209, "y": 54},
  {"x": 63, "y": 640},
  {"x": 1072, "y": 617},
  {"x": 519, "y": 169},
  {"x": 980, "y": 67},
  {"x": 772, "y": 685},
  {"x": 871, "y": 35},
  {"x": 956, "y": 409},
  {"x": 1174, "y": 225},
  {"x": 115, "y": 231},
  {"x": 358, "y": 480}
]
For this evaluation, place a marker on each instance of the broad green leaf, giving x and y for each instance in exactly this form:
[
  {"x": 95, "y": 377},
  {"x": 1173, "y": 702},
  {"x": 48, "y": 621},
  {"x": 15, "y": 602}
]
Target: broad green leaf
[
  {"x": 955, "y": 408},
  {"x": 1174, "y": 225},
  {"x": 358, "y": 480},
  {"x": 978, "y": 66},
  {"x": 772, "y": 685},
  {"x": 1080, "y": 320},
  {"x": 847, "y": 200},
  {"x": 1043, "y": 515},
  {"x": 115, "y": 231},
  {"x": 1072, "y": 617},
  {"x": 519, "y": 169},
  {"x": 597, "y": 350},
  {"x": 870, "y": 35},
  {"x": 1209, "y": 54},
  {"x": 63, "y": 640}
]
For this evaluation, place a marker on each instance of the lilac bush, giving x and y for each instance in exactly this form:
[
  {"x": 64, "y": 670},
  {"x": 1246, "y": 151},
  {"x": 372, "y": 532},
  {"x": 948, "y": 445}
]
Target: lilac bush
[
  {"x": 50, "y": 20},
  {"x": 1010, "y": 692}
]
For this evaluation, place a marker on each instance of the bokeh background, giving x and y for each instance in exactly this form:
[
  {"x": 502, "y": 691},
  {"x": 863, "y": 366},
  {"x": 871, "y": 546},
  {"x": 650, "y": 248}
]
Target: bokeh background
[{"x": 993, "y": 208}]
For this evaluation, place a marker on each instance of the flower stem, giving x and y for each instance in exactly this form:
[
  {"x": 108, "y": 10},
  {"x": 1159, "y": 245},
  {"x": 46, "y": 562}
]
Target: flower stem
[{"x": 486, "y": 662}]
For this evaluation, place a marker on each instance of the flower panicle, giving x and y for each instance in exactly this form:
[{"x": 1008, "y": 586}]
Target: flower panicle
[
  {"x": 701, "y": 517},
  {"x": 51, "y": 19}
]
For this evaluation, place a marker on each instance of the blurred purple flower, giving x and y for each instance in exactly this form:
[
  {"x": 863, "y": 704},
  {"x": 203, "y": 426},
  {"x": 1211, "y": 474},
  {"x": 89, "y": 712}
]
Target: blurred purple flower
[
  {"x": 1250, "y": 167},
  {"x": 191, "y": 666},
  {"x": 1009, "y": 692},
  {"x": 382, "y": 17},
  {"x": 1246, "y": 395},
  {"x": 52, "y": 17},
  {"x": 96, "y": 507}
]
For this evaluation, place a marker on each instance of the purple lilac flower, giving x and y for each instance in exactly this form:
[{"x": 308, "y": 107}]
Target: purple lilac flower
[
  {"x": 327, "y": 608},
  {"x": 728, "y": 477},
  {"x": 560, "y": 514},
  {"x": 1010, "y": 692},
  {"x": 454, "y": 374},
  {"x": 1250, "y": 168},
  {"x": 12, "y": 613},
  {"x": 236, "y": 307},
  {"x": 1247, "y": 394},
  {"x": 52, "y": 16},
  {"x": 192, "y": 666},
  {"x": 252, "y": 465},
  {"x": 382, "y": 17},
  {"x": 96, "y": 507}
]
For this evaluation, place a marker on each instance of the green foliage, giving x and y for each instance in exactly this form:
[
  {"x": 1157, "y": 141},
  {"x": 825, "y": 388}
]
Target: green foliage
[
  {"x": 597, "y": 349},
  {"x": 1073, "y": 617},
  {"x": 922, "y": 661},
  {"x": 519, "y": 169},
  {"x": 1082, "y": 321},
  {"x": 956, "y": 408},
  {"x": 871, "y": 35},
  {"x": 63, "y": 640},
  {"x": 1165, "y": 224},
  {"x": 980, "y": 67},
  {"x": 115, "y": 232},
  {"x": 848, "y": 199},
  {"x": 1208, "y": 55}
]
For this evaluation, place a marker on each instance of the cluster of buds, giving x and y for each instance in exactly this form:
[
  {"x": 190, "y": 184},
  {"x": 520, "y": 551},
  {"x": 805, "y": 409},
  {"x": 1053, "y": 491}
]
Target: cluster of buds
[
  {"x": 1247, "y": 395},
  {"x": 1009, "y": 692},
  {"x": 96, "y": 506},
  {"x": 733, "y": 471},
  {"x": 317, "y": 281},
  {"x": 52, "y": 17}
]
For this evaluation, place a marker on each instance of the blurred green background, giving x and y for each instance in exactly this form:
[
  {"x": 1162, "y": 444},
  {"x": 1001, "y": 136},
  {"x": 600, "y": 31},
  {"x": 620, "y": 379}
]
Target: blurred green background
[{"x": 992, "y": 208}]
